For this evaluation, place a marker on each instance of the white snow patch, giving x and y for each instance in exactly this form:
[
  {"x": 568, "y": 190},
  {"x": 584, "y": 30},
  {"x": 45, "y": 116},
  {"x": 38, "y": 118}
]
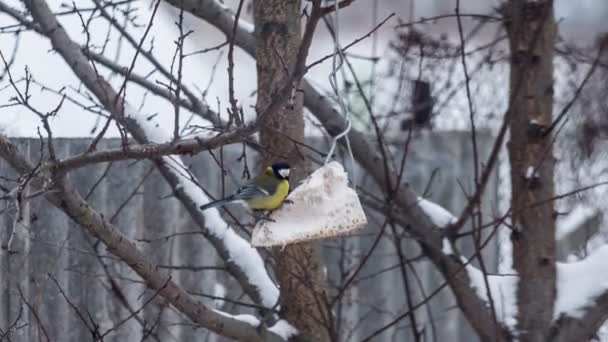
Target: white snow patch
[
  {"x": 245, "y": 25},
  {"x": 149, "y": 126},
  {"x": 249, "y": 319},
  {"x": 446, "y": 247},
  {"x": 322, "y": 206},
  {"x": 239, "y": 249},
  {"x": 578, "y": 216},
  {"x": 219, "y": 291},
  {"x": 503, "y": 289},
  {"x": 283, "y": 329},
  {"x": 438, "y": 214},
  {"x": 505, "y": 246},
  {"x": 529, "y": 172},
  {"x": 580, "y": 283}
]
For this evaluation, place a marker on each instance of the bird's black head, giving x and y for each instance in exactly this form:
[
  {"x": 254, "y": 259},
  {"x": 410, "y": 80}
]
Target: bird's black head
[{"x": 281, "y": 170}]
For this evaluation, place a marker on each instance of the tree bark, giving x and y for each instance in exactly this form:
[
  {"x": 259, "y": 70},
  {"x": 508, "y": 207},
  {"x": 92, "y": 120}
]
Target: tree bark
[
  {"x": 297, "y": 267},
  {"x": 531, "y": 30}
]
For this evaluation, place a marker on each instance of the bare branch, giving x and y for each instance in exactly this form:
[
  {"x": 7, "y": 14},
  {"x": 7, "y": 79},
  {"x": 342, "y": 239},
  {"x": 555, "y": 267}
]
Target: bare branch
[{"x": 152, "y": 151}]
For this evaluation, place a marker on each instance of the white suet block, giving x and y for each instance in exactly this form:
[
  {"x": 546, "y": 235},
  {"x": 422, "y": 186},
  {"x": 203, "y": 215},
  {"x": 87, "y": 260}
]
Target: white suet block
[{"x": 323, "y": 206}]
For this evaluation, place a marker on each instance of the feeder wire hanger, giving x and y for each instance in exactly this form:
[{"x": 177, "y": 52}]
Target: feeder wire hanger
[{"x": 337, "y": 64}]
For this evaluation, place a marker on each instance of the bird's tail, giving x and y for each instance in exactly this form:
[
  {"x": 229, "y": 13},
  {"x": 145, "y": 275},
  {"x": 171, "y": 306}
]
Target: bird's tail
[{"x": 217, "y": 203}]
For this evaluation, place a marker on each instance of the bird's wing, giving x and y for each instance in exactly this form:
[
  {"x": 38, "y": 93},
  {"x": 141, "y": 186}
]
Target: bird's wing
[
  {"x": 250, "y": 191},
  {"x": 261, "y": 186},
  {"x": 267, "y": 183}
]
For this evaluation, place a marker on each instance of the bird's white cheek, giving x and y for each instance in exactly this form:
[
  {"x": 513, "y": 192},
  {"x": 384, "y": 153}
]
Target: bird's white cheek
[{"x": 284, "y": 173}]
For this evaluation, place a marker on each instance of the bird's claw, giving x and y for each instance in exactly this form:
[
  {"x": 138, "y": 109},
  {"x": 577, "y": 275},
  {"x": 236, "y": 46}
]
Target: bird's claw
[
  {"x": 267, "y": 218},
  {"x": 264, "y": 217}
]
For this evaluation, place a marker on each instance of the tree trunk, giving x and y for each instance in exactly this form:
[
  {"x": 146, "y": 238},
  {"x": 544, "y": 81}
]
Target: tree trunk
[
  {"x": 531, "y": 30},
  {"x": 297, "y": 267}
]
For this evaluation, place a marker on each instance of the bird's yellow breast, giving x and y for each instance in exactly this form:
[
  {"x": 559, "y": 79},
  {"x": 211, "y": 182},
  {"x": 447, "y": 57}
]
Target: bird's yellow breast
[{"x": 273, "y": 200}]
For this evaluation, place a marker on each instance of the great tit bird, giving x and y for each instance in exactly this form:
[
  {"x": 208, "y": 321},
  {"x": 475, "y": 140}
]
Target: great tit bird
[{"x": 267, "y": 191}]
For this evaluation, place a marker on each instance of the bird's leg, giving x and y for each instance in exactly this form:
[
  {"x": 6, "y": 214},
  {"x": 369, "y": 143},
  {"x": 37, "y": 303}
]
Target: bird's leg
[
  {"x": 257, "y": 214},
  {"x": 266, "y": 216},
  {"x": 260, "y": 215}
]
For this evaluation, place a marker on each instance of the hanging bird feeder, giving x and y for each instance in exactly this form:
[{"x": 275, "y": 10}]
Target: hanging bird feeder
[{"x": 323, "y": 206}]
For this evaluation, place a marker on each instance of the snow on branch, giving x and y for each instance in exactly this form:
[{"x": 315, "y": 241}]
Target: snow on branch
[
  {"x": 245, "y": 318},
  {"x": 576, "y": 219},
  {"x": 283, "y": 329},
  {"x": 580, "y": 283},
  {"x": 446, "y": 246},
  {"x": 322, "y": 206},
  {"x": 219, "y": 292},
  {"x": 240, "y": 251},
  {"x": 438, "y": 214},
  {"x": 574, "y": 230},
  {"x": 503, "y": 291}
]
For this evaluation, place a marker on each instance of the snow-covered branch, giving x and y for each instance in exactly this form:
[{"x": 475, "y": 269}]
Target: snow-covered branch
[
  {"x": 235, "y": 249},
  {"x": 581, "y": 305},
  {"x": 580, "y": 283},
  {"x": 501, "y": 288},
  {"x": 574, "y": 230},
  {"x": 440, "y": 216},
  {"x": 576, "y": 219}
]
